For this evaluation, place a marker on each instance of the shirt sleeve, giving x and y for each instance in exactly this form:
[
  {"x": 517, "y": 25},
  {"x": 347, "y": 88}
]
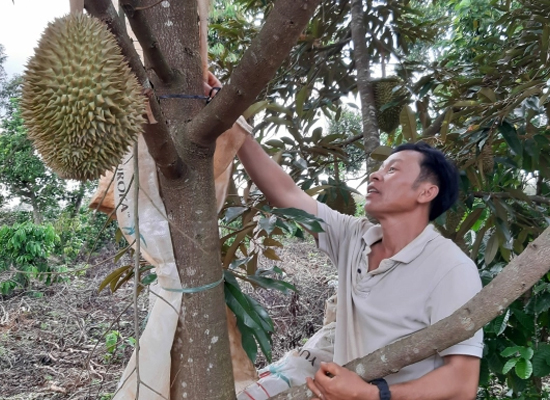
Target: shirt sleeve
[
  {"x": 339, "y": 229},
  {"x": 454, "y": 290}
]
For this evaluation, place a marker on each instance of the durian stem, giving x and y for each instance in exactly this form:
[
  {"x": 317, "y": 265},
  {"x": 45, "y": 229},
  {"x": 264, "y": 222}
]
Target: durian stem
[{"x": 77, "y": 6}]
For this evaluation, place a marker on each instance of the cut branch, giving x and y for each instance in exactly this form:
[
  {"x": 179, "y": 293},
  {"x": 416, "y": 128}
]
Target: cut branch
[
  {"x": 514, "y": 280},
  {"x": 361, "y": 56},
  {"x": 260, "y": 62},
  {"x": 506, "y": 195},
  {"x": 157, "y": 136},
  {"x": 153, "y": 55}
]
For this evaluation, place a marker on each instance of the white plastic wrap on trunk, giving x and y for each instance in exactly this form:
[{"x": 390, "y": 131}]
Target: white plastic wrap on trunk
[{"x": 156, "y": 248}]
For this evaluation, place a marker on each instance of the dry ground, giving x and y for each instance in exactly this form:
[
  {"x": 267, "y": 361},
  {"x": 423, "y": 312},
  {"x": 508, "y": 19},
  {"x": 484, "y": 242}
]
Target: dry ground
[{"x": 53, "y": 339}]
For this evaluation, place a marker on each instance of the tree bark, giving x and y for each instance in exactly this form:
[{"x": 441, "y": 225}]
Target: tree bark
[
  {"x": 36, "y": 214},
  {"x": 371, "y": 133},
  {"x": 514, "y": 280}
]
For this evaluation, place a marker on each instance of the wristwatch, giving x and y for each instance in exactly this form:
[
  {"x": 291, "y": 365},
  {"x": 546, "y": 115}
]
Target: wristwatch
[{"x": 382, "y": 385}]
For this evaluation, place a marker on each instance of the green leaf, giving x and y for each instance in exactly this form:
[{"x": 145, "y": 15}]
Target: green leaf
[
  {"x": 501, "y": 322},
  {"x": 511, "y": 363},
  {"x": 381, "y": 153},
  {"x": 524, "y": 368},
  {"x": 541, "y": 361},
  {"x": 268, "y": 283},
  {"x": 446, "y": 123},
  {"x": 255, "y": 108},
  {"x": 488, "y": 93},
  {"x": 510, "y": 351},
  {"x": 491, "y": 249},
  {"x": 275, "y": 143},
  {"x": 267, "y": 224},
  {"x": 150, "y": 278},
  {"x": 233, "y": 212},
  {"x": 300, "y": 100},
  {"x": 247, "y": 340},
  {"x": 510, "y": 135},
  {"x": 408, "y": 123},
  {"x": 113, "y": 277},
  {"x": 307, "y": 220},
  {"x": 526, "y": 352}
]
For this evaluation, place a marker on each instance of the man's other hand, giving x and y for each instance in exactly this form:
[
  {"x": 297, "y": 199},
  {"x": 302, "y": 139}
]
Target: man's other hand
[{"x": 333, "y": 382}]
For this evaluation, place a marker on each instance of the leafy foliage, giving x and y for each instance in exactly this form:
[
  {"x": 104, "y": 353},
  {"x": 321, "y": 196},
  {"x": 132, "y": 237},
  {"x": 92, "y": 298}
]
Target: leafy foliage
[
  {"x": 22, "y": 173},
  {"x": 24, "y": 252}
]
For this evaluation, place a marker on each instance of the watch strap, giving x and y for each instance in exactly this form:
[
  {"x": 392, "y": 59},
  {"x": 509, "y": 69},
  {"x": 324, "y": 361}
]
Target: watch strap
[{"x": 383, "y": 387}]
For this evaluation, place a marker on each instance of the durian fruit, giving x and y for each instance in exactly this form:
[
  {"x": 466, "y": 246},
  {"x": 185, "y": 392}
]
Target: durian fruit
[
  {"x": 384, "y": 93},
  {"x": 81, "y": 103},
  {"x": 343, "y": 204}
]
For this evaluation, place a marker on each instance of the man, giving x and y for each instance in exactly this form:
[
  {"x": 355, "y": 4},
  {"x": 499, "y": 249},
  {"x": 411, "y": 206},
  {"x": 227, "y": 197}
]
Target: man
[{"x": 394, "y": 278}]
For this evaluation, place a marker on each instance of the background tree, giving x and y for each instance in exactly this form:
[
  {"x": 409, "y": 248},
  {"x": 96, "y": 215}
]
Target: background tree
[{"x": 22, "y": 173}]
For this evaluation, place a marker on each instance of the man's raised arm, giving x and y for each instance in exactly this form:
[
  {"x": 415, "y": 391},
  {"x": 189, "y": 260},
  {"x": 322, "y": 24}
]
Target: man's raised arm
[{"x": 278, "y": 187}]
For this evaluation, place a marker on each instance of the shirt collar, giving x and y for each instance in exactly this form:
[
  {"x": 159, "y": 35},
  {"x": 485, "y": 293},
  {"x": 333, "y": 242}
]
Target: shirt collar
[{"x": 410, "y": 251}]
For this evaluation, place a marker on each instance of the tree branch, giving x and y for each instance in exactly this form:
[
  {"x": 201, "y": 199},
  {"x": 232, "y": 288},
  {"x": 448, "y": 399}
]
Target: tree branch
[
  {"x": 151, "y": 51},
  {"x": 157, "y": 136},
  {"x": 371, "y": 133},
  {"x": 506, "y": 195},
  {"x": 260, "y": 62},
  {"x": 514, "y": 280},
  {"x": 351, "y": 140},
  {"x": 435, "y": 127}
]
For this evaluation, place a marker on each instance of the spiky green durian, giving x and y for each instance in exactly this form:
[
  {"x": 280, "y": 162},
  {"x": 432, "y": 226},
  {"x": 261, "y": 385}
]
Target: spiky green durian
[
  {"x": 344, "y": 204},
  {"x": 81, "y": 103},
  {"x": 384, "y": 93}
]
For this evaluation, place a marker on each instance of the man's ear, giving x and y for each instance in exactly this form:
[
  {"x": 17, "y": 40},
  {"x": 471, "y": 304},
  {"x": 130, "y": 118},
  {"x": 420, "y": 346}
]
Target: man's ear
[{"x": 428, "y": 192}]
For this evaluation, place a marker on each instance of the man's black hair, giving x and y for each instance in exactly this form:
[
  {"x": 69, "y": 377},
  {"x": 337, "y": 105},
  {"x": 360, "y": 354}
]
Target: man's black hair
[{"x": 436, "y": 168}]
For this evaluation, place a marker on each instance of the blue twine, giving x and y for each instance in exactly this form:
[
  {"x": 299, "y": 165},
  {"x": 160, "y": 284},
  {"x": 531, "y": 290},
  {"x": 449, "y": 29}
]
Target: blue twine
[{"x": 196, "y": 289}]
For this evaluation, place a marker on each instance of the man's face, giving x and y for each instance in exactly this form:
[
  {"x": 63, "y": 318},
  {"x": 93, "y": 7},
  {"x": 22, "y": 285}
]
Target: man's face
[{"x": 393, "y": 188}]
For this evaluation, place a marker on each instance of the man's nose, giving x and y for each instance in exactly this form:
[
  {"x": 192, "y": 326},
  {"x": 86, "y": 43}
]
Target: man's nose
[{"x": 374, "y": 176}]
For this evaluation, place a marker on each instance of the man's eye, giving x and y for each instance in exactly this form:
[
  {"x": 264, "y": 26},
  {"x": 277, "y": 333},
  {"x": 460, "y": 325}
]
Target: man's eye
[{"x": 391, "y": 169}]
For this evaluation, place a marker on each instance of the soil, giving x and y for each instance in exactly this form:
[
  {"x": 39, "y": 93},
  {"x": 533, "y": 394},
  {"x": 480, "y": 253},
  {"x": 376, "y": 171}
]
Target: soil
[{"x": 53, "y": 339}]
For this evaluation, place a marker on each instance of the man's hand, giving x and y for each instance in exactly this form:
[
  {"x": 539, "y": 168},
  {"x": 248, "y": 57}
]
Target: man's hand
[
  {"x": 212, "y": 82},
  {"x": 333, "y": 382}
]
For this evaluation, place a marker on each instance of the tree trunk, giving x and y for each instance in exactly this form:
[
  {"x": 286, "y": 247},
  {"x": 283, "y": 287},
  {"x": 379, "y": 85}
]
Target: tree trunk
[
  {"x": 514, "y": 280},
  {"x": 36, "y": 214},
  {"x": 77, "y": 201},
  {"x": 201, "y": 363},
  {"x": 371, "y": 135}
]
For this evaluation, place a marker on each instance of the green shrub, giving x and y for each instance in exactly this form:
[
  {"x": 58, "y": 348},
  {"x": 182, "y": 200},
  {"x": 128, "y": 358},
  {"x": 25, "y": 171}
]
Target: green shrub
[{"x": 24, "y": 251}]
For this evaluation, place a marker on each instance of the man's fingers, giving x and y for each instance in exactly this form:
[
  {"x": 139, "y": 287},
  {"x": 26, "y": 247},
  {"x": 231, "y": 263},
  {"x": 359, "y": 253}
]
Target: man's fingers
[
  {"x": 212, "y": 80},
  {"x": 330, "y": 369},
  {"x": 314, "y": 389}
]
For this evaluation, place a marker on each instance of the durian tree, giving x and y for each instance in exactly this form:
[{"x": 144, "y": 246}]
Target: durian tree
[{"x": 294, "y": 85}]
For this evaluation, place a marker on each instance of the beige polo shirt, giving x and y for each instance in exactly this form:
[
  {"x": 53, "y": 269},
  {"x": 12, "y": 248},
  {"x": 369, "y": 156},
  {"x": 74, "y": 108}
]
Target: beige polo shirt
[{"x": 425, "y": 282}]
